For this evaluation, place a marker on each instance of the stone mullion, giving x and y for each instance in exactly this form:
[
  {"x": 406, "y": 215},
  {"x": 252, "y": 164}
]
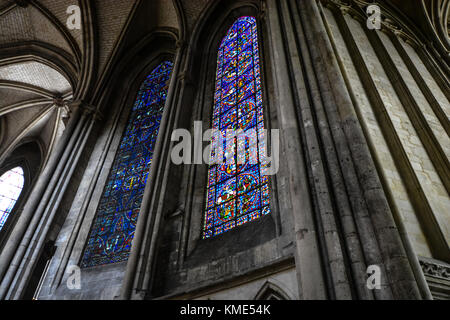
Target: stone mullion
[
  {"x": 419, "y": 122},
  {"x": 434, "y": 104},
  {"x": 414, "y": 189},
  {"x": 307, "y": 252}
]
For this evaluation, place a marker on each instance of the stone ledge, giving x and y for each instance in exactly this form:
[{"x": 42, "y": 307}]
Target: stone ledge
[{"x": 437, "y": 274}]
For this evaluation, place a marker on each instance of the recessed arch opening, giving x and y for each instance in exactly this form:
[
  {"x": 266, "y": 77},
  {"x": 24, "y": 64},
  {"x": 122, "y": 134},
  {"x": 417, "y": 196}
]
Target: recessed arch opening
[{"x": 11, "y": 186}]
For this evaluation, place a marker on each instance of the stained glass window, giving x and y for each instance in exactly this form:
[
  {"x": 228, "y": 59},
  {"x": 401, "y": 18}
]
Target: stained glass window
[
  {"x": 113, "y": 228},
  {"x": 237, "y": 193},
  {"x": 11, "y": 185}
]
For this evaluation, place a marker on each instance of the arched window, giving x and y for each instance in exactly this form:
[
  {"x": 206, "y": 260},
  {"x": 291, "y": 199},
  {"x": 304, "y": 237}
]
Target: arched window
[
  {"x": 113, "y": 229},
  {"x": 11, "y": 185},
  {"x": 237, "y": 193}
]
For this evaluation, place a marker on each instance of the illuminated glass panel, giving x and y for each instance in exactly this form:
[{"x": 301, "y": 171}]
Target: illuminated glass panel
[
  {"x": 113, "y": 228},
  {"x": 11, "y": 185},
  {"x": 237, "y": 194}
]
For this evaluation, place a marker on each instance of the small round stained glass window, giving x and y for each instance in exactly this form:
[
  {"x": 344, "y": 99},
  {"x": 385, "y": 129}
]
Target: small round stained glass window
[{"x": 11, "y": 185}]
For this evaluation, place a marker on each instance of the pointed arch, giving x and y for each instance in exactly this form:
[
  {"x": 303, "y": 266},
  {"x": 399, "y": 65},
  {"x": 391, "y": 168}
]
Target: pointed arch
[
  {"x": 25, "y": 130},
  {"x": 27, "y": 88},
  {"x": 62, "y": 30},
  {"x": 28, "y": 156},
  {"x": 113, "y": 229},
  {"x": 11, "y": 186},
  {"x": 237, "y": 193},
  {"x": 198, "y": 101},
  {"x": 54, "y": 57},
  {"x": 271, "y": 291}
]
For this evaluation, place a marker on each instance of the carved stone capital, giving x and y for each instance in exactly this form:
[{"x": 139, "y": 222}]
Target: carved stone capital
[
  {"x": 87, "y": 109},
  {"x": 437, "y": 275},
  {"x": 436, "y": 269},
  {"x": 63, "y": 106}
]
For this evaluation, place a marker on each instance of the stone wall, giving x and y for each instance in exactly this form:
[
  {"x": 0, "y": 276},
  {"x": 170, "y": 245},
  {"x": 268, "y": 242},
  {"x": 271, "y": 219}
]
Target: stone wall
[
  {"x": 419, "y": 158},
  {"x": 363, "y": 180}
]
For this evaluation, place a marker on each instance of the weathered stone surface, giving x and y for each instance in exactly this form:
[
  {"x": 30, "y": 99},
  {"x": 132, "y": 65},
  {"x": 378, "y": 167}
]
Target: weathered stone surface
[{"x": 364, "y": 128}]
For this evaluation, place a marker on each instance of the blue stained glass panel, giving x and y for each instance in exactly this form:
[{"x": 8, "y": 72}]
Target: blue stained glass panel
[
  {"x": 113, "y": 229},
  {"x": 241, "y": 192}
]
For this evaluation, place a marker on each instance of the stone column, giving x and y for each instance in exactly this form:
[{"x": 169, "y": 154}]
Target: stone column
[
  {"x": 142, "y": 250},
  {"x": 24, "y": 245},
  {"x": 397, "y": 278},
  {"x": 307, "y": 253}
]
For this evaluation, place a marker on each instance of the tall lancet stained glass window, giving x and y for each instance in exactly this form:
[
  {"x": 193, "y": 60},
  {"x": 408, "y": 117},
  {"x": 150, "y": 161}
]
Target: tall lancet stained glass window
[
  {"x": 237, "y": 193},
  {"x": 11, "y": 185},
  {"x": 113, "y": 228}
]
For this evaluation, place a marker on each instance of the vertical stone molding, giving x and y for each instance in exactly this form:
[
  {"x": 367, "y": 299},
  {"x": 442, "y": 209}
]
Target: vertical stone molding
[
  {"x": 18, "y": 258},
  {"x": 360, "y": 104},
  {"x": 437, "y": 274},
  {"x": 141, "y": 261}
]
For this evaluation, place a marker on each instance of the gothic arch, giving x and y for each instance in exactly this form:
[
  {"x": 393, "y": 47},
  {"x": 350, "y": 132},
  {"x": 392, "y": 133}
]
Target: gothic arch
[
  {"x": 136, "y": 150},
  {"x": 272, "y": 291},
  {"x": 134, "y": 65},
  {"x": 29, "y": 156},
  {"x": 120, "y": 105},
  {"x": 201, "y": 65},
  {"x": 333, "y": 210},
  {"x": 37, "y": 80},
  {"x": 129, "y": 72},
  {"x": 62, "y": 30},
  {"x": 182, "y": 207},
  {"x": 47, "y": 54}
]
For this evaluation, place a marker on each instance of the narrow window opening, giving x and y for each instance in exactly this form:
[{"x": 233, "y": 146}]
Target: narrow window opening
[
  {"x": 11, "y": 186},
  {"x": 237, "y": 193},
  {"x": 113, "y": 228}
]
